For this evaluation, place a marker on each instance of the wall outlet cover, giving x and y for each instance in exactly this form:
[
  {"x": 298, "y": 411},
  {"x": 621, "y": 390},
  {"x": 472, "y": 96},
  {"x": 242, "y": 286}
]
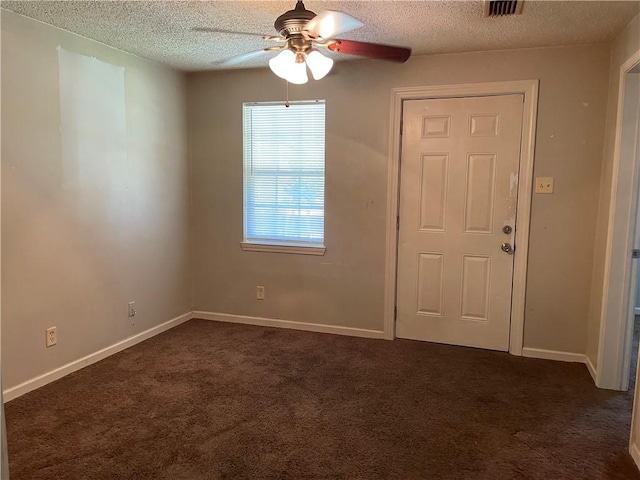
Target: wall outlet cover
[
  {"x": 51, "y": 336},
  {"x": 544, "y": 184}
]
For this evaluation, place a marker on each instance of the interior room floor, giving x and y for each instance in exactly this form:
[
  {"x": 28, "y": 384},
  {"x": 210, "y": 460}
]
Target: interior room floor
[{"x": 210, "y": 400}]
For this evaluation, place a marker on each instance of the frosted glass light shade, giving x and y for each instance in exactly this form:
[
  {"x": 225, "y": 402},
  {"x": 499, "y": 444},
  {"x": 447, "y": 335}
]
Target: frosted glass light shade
[
  {"x": 319, "y": 64},
  {"x": 281, "y": 63},
  {"x": 285, "y": 66},
  {"x": 297, "y": 73}
]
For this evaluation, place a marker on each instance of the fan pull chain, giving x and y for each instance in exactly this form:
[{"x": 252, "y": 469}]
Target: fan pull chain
[{"x": 286, "y": 104}]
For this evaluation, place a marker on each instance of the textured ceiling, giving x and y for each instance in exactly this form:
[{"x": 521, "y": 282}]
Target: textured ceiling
[{"x": 164, "y": 31}]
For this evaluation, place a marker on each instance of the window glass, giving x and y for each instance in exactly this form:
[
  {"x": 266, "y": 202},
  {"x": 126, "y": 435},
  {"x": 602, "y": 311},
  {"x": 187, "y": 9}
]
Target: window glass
[{"x": 284, "y": 152}]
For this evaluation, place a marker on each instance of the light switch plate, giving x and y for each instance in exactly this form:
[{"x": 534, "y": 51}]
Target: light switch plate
[{"x": 544, "y": 184}]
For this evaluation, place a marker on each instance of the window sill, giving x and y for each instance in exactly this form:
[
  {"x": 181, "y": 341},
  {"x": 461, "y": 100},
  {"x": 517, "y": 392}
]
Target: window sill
[{"x": 292, "y": 249}]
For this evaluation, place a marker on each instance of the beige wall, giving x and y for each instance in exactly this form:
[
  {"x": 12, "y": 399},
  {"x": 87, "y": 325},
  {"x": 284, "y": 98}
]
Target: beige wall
[
  {"x": 346, "y": 286},
  {"x": 84, "y": 232},
  {"x": 622, "y": 48}
]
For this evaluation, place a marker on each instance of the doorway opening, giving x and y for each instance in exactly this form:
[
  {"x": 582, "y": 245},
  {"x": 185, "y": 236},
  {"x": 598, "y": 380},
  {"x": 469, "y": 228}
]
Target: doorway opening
[
  {"x": 630, "y": 145},
  {"x": 621, "y": 269},
  {"x": 631, "y": 351}
]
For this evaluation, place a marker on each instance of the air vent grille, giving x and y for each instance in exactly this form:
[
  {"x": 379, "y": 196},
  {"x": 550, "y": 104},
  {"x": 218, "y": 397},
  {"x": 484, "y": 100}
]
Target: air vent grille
[{"x": 502, "y": 8}]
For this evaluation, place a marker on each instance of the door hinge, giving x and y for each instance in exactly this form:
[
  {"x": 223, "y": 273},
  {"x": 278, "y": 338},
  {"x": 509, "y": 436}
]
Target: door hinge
[
  {"x": 401, "y": 127},
  {"x": 635, "y": 253},
  {"x": 398, "y": 222},
  {"x": 395, "y": 312}
]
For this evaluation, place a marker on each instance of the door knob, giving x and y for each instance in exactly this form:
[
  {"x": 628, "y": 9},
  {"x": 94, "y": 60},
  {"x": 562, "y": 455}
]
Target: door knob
[
  {"x": 507, "y": 229},
  {"x": 506, "y": 247}
]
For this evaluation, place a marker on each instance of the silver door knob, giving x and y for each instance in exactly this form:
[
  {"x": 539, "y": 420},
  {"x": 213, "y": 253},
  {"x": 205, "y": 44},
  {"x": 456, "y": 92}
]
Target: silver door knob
[
  {"x": 506, "y": 247},
  {"x": 507, "y": 229}
]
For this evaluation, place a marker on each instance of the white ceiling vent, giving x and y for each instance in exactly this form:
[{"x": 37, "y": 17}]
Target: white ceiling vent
[{"x": 502, "y": 8}]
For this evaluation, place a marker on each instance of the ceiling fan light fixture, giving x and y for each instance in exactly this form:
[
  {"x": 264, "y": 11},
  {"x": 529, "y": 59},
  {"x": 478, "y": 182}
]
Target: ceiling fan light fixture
[
  {"x": 290, "y": 66},
  {"x": 301, "y": 31},
  {"x": 319, "y": 65},
  {"x": 297, "y": 73},
  {"x": 281, "y": 64}
]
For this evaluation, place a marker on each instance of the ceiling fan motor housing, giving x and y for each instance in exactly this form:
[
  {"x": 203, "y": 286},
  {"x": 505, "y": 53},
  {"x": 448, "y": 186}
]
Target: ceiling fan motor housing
[{"x": 293, "y": 21}]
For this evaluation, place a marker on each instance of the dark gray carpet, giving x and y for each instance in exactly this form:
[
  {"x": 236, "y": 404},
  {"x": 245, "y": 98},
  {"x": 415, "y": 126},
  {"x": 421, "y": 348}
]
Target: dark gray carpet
[{"x": 221, "y": 401}]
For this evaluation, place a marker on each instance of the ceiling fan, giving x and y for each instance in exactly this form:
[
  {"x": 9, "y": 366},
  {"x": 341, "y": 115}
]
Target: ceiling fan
[{"x": 302, "y": 32}]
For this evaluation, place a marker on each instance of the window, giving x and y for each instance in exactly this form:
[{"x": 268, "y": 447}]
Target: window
[{"x": 284, "y": 177}]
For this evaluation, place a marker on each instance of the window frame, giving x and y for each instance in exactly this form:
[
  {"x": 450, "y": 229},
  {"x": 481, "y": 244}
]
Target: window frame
[{"x": 274, "y": 245}]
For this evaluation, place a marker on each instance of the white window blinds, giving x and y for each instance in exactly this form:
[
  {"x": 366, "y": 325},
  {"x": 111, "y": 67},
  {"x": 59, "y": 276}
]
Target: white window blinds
[{"x": 284, "y": 173}]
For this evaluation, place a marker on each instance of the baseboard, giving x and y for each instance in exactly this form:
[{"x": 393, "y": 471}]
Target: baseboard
[
  {"x": 41, "y": 380},
  {"x": 591, "y": 368},
  {"x": 635, "y": 453},
  {"x": 554, "y": 355},
  {"x": 272, "y": 322},
  {"x": 637, "y": 311}
]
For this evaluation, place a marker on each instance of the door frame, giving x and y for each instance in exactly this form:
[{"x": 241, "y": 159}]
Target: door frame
[
  {"x": 528, "y": 88},
  {"x": 614, "y": 344}
]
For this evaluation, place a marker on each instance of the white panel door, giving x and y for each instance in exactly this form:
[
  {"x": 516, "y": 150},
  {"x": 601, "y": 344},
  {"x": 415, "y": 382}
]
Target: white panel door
[{"x": 458, "y": 191}]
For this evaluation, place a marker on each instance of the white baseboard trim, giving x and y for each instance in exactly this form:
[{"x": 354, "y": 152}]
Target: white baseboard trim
[
  {"x": 554, "y": 355},
  {"x": 591, "y": 368},
  {"x": 41, "y": 380},
  {"x": 272, "y": 322},
  {"x": 635, "y": 453}
]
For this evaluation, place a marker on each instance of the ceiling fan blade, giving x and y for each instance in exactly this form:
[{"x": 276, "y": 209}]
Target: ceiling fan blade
[
  {"x": 371, "y": 50},
  {"x": 230, "y": 32},
  {"x": 330, "y": 23},
  {"x": 243, "y": 57}
]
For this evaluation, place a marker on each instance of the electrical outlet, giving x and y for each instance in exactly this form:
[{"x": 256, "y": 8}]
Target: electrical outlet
[
  {"x": 51, "y": 336},
  {"x": 544, "y": 184},
  {"x": 132, "y": 309},
  {"x": 260, "y": 292}
]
